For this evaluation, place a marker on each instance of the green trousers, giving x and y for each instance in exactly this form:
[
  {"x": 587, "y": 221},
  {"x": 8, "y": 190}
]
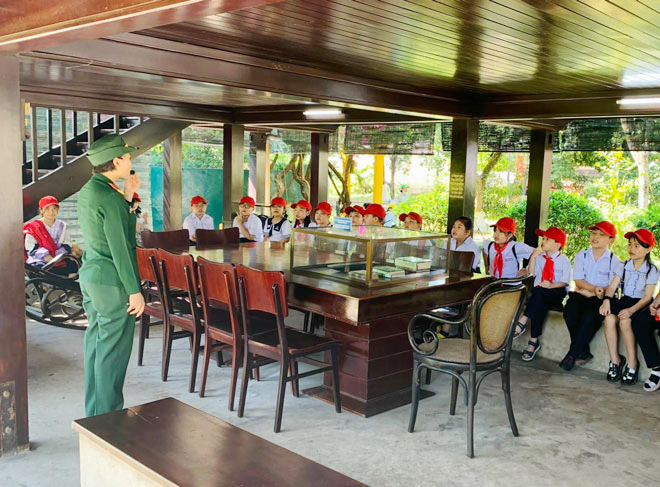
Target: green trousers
[{"x": 107, "y": 346}]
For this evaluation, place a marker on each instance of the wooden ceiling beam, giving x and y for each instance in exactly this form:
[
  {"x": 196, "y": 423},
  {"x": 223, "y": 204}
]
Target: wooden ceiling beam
[
  {"x": 295, "y": 116},
  {"x": 36, "y": 24}
]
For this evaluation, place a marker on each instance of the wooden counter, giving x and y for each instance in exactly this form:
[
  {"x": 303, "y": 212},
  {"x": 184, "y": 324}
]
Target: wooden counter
[
  {"x": 168, "y": 443},
  {"x": 376, "y": 362}
]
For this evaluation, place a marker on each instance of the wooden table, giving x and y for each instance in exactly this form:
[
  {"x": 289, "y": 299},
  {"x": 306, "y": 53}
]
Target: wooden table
[
  {"x": 168, "y": 443},
  {"x": 376, "y": 362}
]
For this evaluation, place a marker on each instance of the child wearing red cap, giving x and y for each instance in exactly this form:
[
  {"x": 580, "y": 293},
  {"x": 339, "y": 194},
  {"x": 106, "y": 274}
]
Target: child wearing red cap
[
  {"x": 247, "y": 222},
  {"x": 197, "y": 218},
  {"x": 374, "y": 215},
  {"x": 552, "y": 276},
  {"x": 461, "y": 240},
  {"x": 301, "y": 212},
  {"x": 322, "y": 214},
  {"x": 48, "y": 237},
  {"x": 637, "y": 278},
  {"x": 356, "y": 212},
  {"x": 278, "y": 227},
  {"x": 502, "y": 254},
  {"x": 411, "y": 221},
  {"x": 594, "y": 269}
]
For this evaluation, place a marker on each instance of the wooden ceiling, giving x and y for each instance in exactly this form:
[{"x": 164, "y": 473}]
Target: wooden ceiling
[{"x": 488, "y": 59}]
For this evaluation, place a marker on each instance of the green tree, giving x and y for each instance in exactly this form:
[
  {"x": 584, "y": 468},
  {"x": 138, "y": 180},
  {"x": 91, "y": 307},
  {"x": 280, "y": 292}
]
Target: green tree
[{"x": 432, "y": 206}]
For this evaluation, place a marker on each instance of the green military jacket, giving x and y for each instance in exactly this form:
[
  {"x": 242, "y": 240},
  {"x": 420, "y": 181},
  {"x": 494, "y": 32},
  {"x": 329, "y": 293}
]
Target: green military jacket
[{"x": 108, "y": 229}]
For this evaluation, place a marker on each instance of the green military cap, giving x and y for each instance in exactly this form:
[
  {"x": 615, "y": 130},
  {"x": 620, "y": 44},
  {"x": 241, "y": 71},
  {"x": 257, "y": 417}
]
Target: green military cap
[{"x": 107, "y": 148}]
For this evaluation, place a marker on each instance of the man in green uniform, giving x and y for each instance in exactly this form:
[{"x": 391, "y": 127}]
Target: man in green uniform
[{"x": 108, "y": 276}]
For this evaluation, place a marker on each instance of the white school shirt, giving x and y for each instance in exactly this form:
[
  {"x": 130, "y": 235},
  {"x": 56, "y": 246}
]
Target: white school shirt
[
  {"x": 192, "y": 223},
  {"x": 562, "y": 268},
  {"x": 468, "y": 245},
  {"x": 597, "y": 273},
  {"x": 635, "y": 281},
  {"x": 60, "y": 235},
  {"x": 254, "y": 226},
  {"x": 279, "y": 231},
  {"x": 510, "y": 265}
]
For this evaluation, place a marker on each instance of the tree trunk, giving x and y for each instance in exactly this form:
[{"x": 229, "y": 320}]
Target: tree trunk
[
  {"x": 393, "y": 162},
  {"x": 343, "y": 178},
  {"x": 299, "y": 176},
  {"x": 641, "y": 158},
  {"x": 493, "y": 159},
  {"x": 280, "y": 177}
]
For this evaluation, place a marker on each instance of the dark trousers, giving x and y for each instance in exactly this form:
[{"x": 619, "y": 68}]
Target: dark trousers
[
  {"x": 645, "y": 336},
  {"x": 583, "y": 321},
  {"x": 540, "y": 302}
]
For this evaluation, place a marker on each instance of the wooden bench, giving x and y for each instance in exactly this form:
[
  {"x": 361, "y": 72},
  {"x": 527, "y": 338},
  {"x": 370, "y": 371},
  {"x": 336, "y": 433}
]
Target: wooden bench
[{"x": 167, "y": 442}]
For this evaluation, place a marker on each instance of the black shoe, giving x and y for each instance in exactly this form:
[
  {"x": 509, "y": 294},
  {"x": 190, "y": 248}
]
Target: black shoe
[
  {"x": 616, "y": 370},
  {"x": 630, "y": 376},
  {"x": 567, "y": 363},
  {"x": 583, "y": 359}
]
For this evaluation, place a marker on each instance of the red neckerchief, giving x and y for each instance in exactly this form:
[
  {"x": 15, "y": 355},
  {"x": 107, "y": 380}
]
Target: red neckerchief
[
  {"x": 38, "y": 230},
  {"x": 498, "y": 263},
  {"x": 548, "y": 273}
]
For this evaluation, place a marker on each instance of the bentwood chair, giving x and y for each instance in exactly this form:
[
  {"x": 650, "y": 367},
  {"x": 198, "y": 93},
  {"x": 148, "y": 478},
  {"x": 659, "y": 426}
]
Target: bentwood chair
[
  {"x": 222, "y": 318},
  {"x": 171, "y": 240},
  {"x": 209, "y": 239},
  {"x": 492, "y": 316},
  {"x": 265, "y": 291}
]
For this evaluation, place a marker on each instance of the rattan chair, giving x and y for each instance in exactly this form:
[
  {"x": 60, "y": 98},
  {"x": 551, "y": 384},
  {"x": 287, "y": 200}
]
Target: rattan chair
[{"x": 492, "y": 315}]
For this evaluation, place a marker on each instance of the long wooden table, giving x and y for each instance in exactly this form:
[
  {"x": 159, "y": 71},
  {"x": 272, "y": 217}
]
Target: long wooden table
[{"x": 376, "y": 362}]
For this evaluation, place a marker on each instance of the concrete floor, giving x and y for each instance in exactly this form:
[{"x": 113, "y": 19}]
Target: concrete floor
[{"x": 576, "y": 429}]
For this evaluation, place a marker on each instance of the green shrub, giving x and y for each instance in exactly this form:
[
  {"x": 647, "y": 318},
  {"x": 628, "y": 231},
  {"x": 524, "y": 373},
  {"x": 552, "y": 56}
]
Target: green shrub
[
  {"x": 650, "y": 219},
  {"x": 432, "y": 205},
  {"x": 571, "y": 213}
]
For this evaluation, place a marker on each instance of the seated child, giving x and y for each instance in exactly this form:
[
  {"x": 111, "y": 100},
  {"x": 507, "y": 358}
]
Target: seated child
[
  {"x": 322, "y": 214},
  {"x": 502, "y": 255},
  {"x": 552, "y": 276},
  {"x": 637, "y": 278},
  {"x": 247, "y": 222},
  {"x": 411, "y": 221},
  {"x": 374, "y": 215},
  {"x": 278, "y": 227},
  {"x": 593, "y": 271},
  {"x": 389, "y": 217},
  {"x": 647, "y": 342},
  {"x": 48, "y": 237},
  {"x": 301, "y": 213},
  {"x": 356, "y": 212},
  {"x": 461, "y": 240},
  {"x": 197, "y": 218}
]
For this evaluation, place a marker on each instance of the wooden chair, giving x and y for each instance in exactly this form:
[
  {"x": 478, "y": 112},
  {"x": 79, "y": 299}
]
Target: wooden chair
[
  {"x": 492, "y": 315},
  {"x": 460, "y": 261},
  {"x": 152, "y": 290},
  {"x": 178, "y": 273},
  {"x": 219, "y": 289},
  {"x": 209, "y": 239},
  {"x": 266, "y": 292},
  {"x": 174, "y": 240}
]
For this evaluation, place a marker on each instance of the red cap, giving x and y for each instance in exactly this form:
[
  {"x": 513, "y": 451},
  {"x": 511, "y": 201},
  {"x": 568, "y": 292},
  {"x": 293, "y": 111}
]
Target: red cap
[
  {"x": 48, "y": 201},
  {"x": 278, "y": 201},
  {"x": 359, "y": 209},
  {"x": 643, "y": 235},
  {"x": 376, "y": 210},
  {"x": 505, "y": 224},
  {"x": 197, "y": 199},
  {"x": 136, "y": 197},
  {"x": 303, "y": 204},
  {"x": 247, "y": 200},
  {"x": 415, "y": 216},
  {"x": 325, "y": 207},
  {"x": 606, "y": 227},
  {"x": 348, "y": 210},
  {"x": 556, "y": 234}
]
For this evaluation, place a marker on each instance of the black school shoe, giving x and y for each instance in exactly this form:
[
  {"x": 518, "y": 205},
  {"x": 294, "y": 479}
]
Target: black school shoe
[
  {"x": 567, "y": 363},
  {"x": 629, "y": 376},
  {"x": 616, "y": 371},
  {"x": 583, "y": 359}
]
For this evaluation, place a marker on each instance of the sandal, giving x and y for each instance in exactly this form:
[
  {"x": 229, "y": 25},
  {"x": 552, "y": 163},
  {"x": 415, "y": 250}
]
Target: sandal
[
  {"x": 616, "y": 370},
  {"x": 630, "y": 376},
  {"x": 653, "y": 382},
  {"x": 528, "y": 355},
  {"x": 520, "y": 329}
]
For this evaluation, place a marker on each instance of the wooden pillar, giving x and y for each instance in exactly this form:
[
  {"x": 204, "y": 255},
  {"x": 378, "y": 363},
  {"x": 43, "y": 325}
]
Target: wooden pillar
[
  {"x": 463, "y": 169},
  {"x": 319, "y": 170},
  {"x": 172, "y": 182},
  {"x": 232, "y": 185},
  {"x": 379, "y": 178},
  {"x": 538, "y": 184},
  {"x": 259, "y": 162},
  {"x": 13, "y": 347}
]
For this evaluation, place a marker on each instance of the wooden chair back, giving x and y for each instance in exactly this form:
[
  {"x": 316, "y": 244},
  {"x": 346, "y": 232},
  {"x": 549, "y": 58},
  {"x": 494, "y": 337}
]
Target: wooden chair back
[
  {"x": 218, "y": 285},
  {"x": 146, "y": 269},
  {"x": 208, "y": 239},
  {"x": 170, "y": 240},
  {"x": 178, "y": 272},
  {"x": 460, "y": 261}
]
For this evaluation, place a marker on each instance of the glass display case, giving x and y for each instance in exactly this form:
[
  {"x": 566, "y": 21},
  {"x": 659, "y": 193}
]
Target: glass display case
[{"x": 368, "y": 255}]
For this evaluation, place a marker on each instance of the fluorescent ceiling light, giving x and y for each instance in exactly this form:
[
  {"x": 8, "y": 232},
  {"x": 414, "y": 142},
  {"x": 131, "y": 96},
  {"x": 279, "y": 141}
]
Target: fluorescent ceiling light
[
  {"x": 323, "y": 112},
  {"x": 639, "y": 101}
]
